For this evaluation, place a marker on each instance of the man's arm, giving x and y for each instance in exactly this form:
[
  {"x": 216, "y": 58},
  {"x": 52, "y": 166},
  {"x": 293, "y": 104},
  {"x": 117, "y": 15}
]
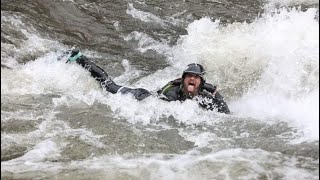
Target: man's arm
[
  {"x": 215, "y": 101},
  {"x": 220, "y": 103}
]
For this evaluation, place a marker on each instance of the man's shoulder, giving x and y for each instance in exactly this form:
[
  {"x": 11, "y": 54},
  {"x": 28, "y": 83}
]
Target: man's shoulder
[
  {"x": 170, "y": 91},
  {"x": 174, "y": 84}
]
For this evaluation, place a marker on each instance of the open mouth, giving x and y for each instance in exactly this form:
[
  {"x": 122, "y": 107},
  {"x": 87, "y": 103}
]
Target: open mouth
[{"x": 191, "y": 87}]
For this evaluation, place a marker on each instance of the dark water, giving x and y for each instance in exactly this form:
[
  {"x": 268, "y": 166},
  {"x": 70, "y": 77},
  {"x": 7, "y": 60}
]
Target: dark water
[
  {"x": 56, "y": 122},
  {"x": 90, "y": 25}
]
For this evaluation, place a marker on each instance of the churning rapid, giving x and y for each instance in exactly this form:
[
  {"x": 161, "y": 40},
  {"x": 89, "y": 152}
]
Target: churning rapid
[{"x": 57, "y": 123}]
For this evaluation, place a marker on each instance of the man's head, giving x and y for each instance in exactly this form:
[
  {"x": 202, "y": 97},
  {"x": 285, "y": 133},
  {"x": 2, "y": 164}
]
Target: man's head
[{"x": 193, "y": 78}]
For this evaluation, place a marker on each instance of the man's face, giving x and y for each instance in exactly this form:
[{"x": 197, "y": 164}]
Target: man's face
[{"x": 191, "y": 84}]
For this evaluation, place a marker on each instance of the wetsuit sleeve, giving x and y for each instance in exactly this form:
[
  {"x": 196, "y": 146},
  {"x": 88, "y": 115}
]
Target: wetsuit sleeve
[
  {"x": 99, "y": 74},
  {"x": 221, "y": 104},
  {"x": 105, "y": 81},
  {"x": 138, "y": 93}
]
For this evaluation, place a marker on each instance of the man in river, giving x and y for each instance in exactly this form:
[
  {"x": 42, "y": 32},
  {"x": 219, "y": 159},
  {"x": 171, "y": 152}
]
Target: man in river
[{"x": 191, "y": 85}]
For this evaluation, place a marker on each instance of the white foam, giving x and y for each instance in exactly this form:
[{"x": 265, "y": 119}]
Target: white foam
[
  {"x": 47, "y": 75},
  {"x": 282, "y": 49},
  {"x": 153, "y": 109},
  {"x": 289, "y": 83},
  {"x": 271, "y": 3},
  {"x": 273, "y": 60},
  {"x": 225, "y": 164}
]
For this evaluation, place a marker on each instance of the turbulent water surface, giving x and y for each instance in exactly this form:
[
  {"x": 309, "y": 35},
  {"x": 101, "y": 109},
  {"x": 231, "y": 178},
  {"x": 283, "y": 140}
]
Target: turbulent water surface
[{"x": 57, "y": 123}]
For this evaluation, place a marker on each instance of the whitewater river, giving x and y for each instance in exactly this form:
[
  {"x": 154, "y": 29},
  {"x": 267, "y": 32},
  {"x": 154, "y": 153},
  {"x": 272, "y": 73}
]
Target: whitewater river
[{"x": 57, "y": 123}]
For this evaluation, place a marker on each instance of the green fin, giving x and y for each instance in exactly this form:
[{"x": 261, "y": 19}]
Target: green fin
[{"x": 74, "y": 58}]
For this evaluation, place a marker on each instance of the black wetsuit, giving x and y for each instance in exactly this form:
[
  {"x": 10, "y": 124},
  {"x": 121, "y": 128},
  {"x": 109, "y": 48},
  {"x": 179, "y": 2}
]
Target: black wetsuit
[
  {"x": 173, "y": 91},
  {"x": 207, "y": 97},
  {"x": 106, "y": 82}
]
